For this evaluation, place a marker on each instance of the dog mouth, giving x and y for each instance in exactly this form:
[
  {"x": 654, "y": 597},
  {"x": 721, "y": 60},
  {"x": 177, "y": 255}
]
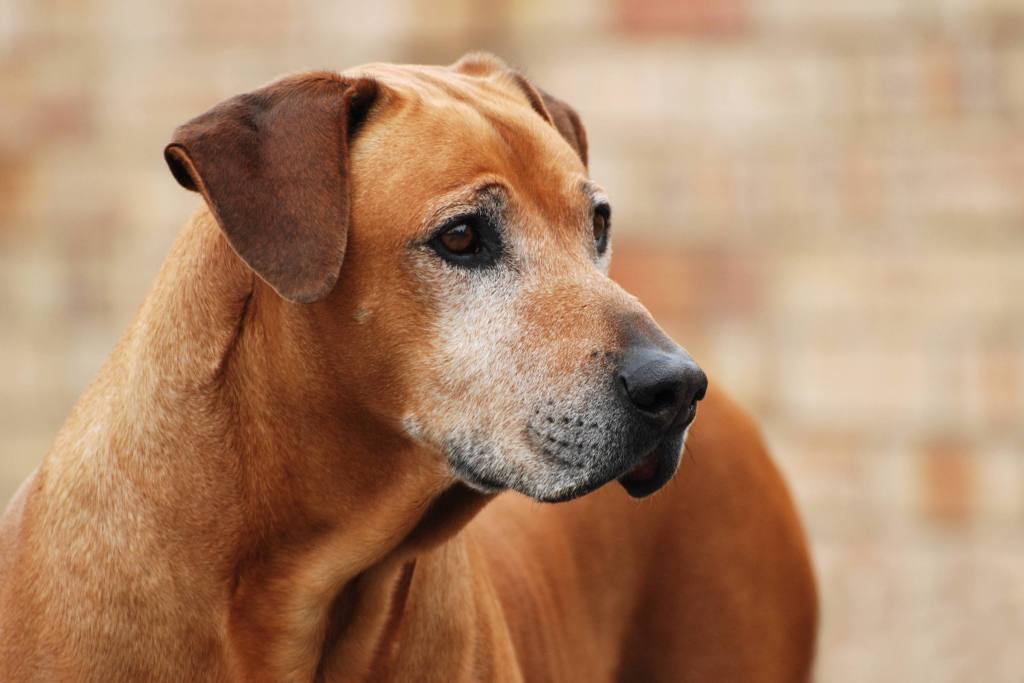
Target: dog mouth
[
  {"x": 579, "y": 454},
  {"x": 568, "y": 457},
  {"x": 655, "y": 469},
  {"x": 642, "y": 473}
]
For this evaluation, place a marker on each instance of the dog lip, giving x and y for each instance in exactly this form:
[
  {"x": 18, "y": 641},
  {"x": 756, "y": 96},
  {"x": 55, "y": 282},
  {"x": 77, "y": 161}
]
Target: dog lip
[
  {"x": 644, "y": 472},
  {"x": 655, "y": 469}
]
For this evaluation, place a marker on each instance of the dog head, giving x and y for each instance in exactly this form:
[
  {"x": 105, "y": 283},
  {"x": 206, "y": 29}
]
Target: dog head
[{"x": 441, "y": 225}]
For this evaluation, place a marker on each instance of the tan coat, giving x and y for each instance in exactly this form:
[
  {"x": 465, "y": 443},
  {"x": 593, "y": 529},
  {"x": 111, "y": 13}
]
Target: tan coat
[{"x": 255, "y": 487}]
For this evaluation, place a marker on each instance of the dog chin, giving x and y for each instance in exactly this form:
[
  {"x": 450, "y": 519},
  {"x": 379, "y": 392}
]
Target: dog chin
[
  {"x": 640, "y": 476},
  {"x": 560, "y": 493},
  {"x": 557, "y": 487}
]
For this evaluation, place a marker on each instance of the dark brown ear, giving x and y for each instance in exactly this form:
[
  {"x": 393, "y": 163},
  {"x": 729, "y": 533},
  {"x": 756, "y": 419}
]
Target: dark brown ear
[
  {"x": 273, "y": 167},
  {"x": 568, "y": 123}
]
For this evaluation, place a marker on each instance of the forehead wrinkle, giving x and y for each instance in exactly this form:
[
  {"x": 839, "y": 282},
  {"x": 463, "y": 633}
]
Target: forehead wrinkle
[
  {"x": 488, "y": 97},
  {"x": 530, "y": 139},
  {"x": 439, "y": 84}
]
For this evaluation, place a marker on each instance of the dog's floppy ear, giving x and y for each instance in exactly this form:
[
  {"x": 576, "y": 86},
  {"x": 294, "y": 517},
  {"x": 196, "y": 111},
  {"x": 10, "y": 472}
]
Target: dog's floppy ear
[
  {"x": 568, "y": 123},
  {"x": 273, "y": 167}
]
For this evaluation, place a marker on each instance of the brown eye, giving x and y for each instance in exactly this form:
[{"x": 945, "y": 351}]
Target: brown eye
[
  {"x": 468, "y": 241},
  {"x": 601, "y": 221},
  {"x": 459, "y": 240}
]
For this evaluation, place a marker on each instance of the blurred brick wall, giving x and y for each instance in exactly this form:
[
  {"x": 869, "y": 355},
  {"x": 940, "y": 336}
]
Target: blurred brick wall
[{"x": 822, "y": 201}]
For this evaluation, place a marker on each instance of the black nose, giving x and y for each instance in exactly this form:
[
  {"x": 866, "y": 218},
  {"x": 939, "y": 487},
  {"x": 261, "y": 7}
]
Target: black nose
[{"x": 662, "y": 385}]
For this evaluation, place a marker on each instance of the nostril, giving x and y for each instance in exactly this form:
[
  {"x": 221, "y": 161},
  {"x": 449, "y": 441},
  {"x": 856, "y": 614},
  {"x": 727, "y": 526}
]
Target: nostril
[
  {"x": 656, "y": 398},
  {"x": 663, "y": 398}
]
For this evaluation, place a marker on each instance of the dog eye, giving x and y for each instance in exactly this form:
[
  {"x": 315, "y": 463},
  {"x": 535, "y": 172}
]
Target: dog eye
[
  {"x": 468, "y": 241},
  {"x": 602, "y": 223},
  {"x": 460, "y": 240}
]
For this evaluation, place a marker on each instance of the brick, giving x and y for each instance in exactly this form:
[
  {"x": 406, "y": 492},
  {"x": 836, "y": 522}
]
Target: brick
[
  {"x": 700, "y": 17},
  {"x": 948, "y": 474}
]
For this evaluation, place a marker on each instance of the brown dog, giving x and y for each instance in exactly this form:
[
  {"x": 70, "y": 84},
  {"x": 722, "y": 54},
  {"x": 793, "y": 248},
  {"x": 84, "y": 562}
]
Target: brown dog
[{"x": 393, "y": 306}]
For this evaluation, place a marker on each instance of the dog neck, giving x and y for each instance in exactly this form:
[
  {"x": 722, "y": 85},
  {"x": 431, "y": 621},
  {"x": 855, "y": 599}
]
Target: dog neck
[
  {"x": 330, "y": 495},
  {"x": 306, "y": 510}
]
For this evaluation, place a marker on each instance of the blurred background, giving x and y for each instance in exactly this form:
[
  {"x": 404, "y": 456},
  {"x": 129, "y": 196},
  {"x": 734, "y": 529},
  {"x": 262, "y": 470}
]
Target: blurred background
[{"x": 822, "y": 200}]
